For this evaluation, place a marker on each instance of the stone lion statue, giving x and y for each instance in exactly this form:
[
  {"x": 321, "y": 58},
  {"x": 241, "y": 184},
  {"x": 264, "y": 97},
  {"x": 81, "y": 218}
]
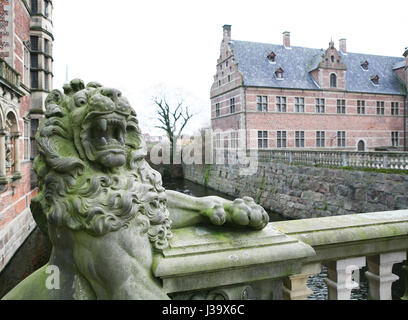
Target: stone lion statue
[{"x": 101, "y": 204}]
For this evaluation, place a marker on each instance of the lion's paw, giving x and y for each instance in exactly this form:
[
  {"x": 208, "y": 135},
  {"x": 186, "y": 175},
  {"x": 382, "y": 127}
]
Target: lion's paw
[
  {"x": 217, "y": 214},
  {"x": 246, "y": 212}
]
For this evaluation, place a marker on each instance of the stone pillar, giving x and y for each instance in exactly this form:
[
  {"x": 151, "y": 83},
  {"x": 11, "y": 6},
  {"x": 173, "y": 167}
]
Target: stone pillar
[
  {"x": 380, "y": 276},
  {"x": 2, "y": 153},
  {"x": 405, "y": 268},
  {"x": 339, "y": 281},
  {"x": 17, "y": 161},
  {"x": 295, "y": 288}
]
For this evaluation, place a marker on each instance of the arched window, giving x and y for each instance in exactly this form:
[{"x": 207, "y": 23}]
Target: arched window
[
  {"x": 332, "y": 58},
  {"x": 333, "y": 81}
]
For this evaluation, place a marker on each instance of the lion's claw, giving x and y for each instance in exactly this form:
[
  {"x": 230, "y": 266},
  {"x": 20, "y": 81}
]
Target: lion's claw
[{"x": 246, "y": 212}]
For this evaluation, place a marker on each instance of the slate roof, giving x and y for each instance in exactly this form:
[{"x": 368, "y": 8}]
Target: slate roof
[{"x": 297, "y": 62}]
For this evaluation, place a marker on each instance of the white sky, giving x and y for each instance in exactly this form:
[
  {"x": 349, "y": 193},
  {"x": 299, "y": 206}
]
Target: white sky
[{"x": 147, "y": 47}]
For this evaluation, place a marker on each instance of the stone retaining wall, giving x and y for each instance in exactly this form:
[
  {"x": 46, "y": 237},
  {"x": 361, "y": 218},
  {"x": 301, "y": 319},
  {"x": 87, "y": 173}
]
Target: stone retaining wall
[{"x": 303, "y": 192}]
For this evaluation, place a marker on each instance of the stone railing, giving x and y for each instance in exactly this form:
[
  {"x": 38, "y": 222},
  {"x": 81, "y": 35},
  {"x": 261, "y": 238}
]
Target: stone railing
[
  {"x": 275, "y": 263},
  {"x": 354, "y": 159},
  {"x": 9, "y": 74},
  {"x": 344, "y": 244}
]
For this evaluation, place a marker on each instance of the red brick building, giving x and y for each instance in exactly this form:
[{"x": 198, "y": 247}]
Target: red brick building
[
  {"x": 298, "y": 97},
  {"x": 25, "y": 79}
]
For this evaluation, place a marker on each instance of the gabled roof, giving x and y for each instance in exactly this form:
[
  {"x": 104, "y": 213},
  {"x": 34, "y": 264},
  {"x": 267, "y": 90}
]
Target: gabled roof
[{"x": 299, "y": 61}]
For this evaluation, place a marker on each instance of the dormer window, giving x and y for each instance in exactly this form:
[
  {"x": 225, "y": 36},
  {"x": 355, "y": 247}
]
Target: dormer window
[
  {"x": 375, "y": 79},
  {"x": 279, "y": 73},
  {"x": 271, "y": 57},
  {"x": 364, "y": 65}
]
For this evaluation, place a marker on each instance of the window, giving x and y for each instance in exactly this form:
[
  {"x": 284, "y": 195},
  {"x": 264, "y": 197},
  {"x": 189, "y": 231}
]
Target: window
[
  {"x": 33, "y": 142},
  {"x": 46, "y": 46},
  {"x": 26, "y": 140},
  {"x": 262, "y": 139},
  {"x": 332, "y": 58},
  {"x": 219, "y": 83},
  {"x": 341, "y": 138},
  {"x": 234, "y": 140},
  {"x": 34, "y": 6},
  {"x": 299, "y": 104},
  {"x": 217, "y": 109},
  {"x": 375, "y": 79},
  {"x": 279, "y": 73},
  {"x": 395, "y": 108},
  {"x": 218, "y": 140},
  {"x": 333, "y": 80},
  {"x": 320, "y": 106},
  {"x": 226, "y": 64},
  {"x": 341, "y": 106},
  {"x": 271, "y": 56},
  {"x": 361, "y": 106},
  {"x": 394, "y": 138},
  {"x": 262, "y": 103},
  {"x": 299, "y": 139},
  {"x": 281, "y": 104},
  {"x": 229, "y": 78},
  {"x": 380, "y": 107},
  {"x": 26, "y": 79},
  {"x": 46, "y": 12},
  {"x": 34, "y": 43},
  {"x": 46, "y": 83},
  {"x": 281, "y": 139},
  {"x": 34, "y": 79},
  {"x": 320, "y": 139},
  {"x": 232, "y": 105},
  {"x": 364, "y": 65},
  {"x": 34, "y": 60}
]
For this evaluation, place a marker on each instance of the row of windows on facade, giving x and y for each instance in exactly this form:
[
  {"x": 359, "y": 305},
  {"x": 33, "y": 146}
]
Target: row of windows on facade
[
  {"x": 281, "y": 106},
  {"x": 281, "y": 139},
  {"x": 45, "y": 10}
]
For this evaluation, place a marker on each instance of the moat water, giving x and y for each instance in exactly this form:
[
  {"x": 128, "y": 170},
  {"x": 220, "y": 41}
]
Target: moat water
[{"x": 36, "y": 250}]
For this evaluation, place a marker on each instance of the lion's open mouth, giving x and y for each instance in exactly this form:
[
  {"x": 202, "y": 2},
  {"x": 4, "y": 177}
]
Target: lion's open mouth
[{"x": 108, "y": 132}]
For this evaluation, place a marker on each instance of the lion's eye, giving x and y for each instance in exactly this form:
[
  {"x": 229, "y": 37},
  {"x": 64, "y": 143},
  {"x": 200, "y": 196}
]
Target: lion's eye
[{"x": 80, "y": 101}]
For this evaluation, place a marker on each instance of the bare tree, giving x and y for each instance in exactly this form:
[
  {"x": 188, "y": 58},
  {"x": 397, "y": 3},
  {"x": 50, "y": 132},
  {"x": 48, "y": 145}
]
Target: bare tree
[{"x": 172, "y": 121}]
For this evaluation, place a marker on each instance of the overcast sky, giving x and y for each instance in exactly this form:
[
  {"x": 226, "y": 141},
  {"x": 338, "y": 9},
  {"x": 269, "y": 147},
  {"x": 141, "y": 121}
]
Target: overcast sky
[{"x": 144, "y": 48}]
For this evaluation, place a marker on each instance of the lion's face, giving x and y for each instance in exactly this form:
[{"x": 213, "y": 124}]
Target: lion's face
[{"x": 102, "y": 115}]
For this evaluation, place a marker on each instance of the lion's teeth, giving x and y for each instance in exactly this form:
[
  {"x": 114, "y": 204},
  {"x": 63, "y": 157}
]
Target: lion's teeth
[
  {"x": 103, "y": 124},
  {"x": 103, "y": 140},
  {"x": 123, "y": 123}
]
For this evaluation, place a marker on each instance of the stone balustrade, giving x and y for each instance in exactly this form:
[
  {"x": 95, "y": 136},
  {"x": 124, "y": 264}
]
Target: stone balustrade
[
  {"x": 275, "y": 263},
  {"x": 336, "y": 158},
  {"x": 8, "y": 74},
  {"x": 345, "y": 244}
]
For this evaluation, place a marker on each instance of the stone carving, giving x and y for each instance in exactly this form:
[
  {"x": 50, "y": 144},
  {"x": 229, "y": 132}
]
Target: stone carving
[{"x": 103, "y": 207}]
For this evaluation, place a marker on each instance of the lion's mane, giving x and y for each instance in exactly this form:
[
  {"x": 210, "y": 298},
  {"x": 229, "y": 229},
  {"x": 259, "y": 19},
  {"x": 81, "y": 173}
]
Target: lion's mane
[{"x": 77, "y": 193}]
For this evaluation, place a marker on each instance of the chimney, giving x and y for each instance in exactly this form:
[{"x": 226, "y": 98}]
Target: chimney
[
  {"x": 286, "y": 39},
  {"x": 227, "y": 33},
  {"x": 405, "y": 54},
  {"x": 342, "y": 45}
]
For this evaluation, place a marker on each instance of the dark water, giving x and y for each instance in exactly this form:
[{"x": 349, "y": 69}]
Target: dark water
[{"x": 32, "y": 255}]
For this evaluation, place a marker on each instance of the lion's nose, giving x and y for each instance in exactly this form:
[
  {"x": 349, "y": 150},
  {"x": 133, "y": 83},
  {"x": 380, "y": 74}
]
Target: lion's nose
[{"x": 111, "y": 93}]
